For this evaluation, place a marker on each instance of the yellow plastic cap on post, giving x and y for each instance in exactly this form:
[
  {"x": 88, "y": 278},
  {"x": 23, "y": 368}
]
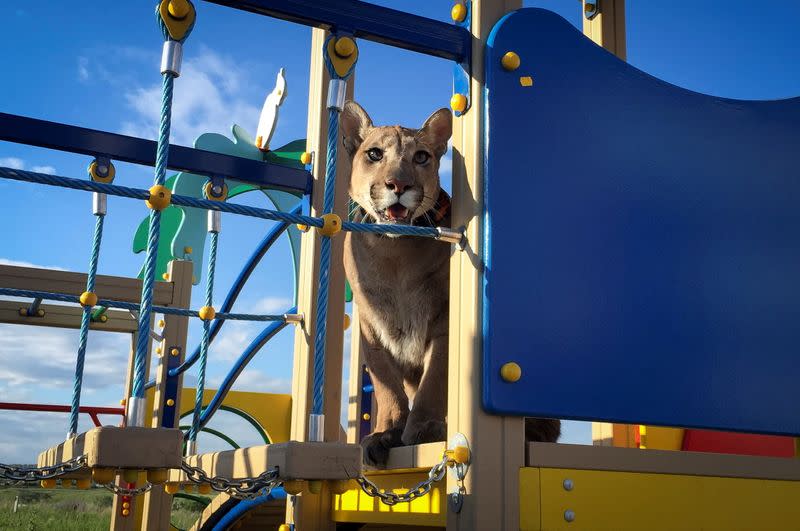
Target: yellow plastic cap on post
[
  {"x": 157, "y": 476},
  {"x": 172, "y": 488},
  {"x": 345, "y": 47},
  {"x": 511, "y": 372},
  {"x": 178, "y": 8},
  {"x": 204, "y": 488},
  {"x": 284, "y": 527},
  {"x": 103, "y": 475},
  {"x": 458, "y": 102},
  {"x": 510, "y": 61},
  {"x": 207, "y": 313},
  {"x": 83, "y": 483},
  {"x": 294, "y": 486},
  {"x": 458, "y": 13},
  {"x": 305, "y": 158},
  {"x": 130, "y": 475},
  {"x": 160, "y": 197},
  {"x": 331, "y": 224},
  {"x": 88, "y": 298}
]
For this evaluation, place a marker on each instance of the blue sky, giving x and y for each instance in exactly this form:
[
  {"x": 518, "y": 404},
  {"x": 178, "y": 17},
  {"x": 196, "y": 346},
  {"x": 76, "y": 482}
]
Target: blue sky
[{"x": 89, "y": 64}]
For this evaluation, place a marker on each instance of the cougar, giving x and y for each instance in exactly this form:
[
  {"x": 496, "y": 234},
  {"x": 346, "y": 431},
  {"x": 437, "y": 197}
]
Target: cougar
[{"x": 400, "y": 283}]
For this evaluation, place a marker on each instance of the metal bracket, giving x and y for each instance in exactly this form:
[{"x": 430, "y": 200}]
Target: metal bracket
[
  {"x": 591, "y": 8},
  {"x": 455, "y": 498}
]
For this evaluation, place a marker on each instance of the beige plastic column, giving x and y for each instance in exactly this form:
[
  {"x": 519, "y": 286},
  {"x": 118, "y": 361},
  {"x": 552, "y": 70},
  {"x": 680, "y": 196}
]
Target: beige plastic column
[{"x": 607, "y": 28}]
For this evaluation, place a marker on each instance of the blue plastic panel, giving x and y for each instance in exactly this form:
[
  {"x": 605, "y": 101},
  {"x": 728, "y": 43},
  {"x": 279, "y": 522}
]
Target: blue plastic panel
[{"x": 642, "y": 242}]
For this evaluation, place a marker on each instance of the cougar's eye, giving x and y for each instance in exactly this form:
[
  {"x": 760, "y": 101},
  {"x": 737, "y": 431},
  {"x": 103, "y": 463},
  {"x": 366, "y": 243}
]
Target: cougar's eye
[
  {"x": 421, "y": 157},
  {"x": 374, "y": 154}
]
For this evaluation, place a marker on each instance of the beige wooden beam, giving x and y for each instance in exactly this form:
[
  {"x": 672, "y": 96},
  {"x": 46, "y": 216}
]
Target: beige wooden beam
[
  {"x": 60, "y": 316},
  {"x": 607, "y": 28},
  {"x": 313, "y": 511},
  {"x": 497, "y": 443},
  {"x": 70, "y": 283}
]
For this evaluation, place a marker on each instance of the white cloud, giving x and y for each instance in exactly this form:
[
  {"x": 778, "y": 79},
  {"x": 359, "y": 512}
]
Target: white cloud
[
  {"x": 256, "y": 380},
  {"x": 12, "y": 162},
  {"x": 232, "y": 340},
  {"x": 272, "y": 305},
  {"x": 206, "y": 98},
  {"x": 44, "y": 169},
  {"x": 83, "y": 68},
  {"x": 22, "y": 263}
]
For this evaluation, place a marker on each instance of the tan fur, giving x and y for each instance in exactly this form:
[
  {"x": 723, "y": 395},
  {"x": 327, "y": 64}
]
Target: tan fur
[{"x": 400, "y": 284}]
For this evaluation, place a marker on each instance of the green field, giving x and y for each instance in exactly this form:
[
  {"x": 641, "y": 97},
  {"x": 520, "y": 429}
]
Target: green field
[{"x": 72, "y": 510}]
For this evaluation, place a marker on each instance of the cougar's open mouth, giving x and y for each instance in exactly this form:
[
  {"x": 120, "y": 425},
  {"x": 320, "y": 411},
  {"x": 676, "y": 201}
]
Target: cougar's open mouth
[{"x": 395, "y": 213}]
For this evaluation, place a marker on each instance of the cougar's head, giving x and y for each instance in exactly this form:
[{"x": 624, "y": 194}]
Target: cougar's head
[{"x": 395, "y": 170}]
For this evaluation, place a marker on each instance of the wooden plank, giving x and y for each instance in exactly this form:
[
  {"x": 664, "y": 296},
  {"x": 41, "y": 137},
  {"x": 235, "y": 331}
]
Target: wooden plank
[
  {"x": 313, "y": 512},
  {"x": 60, "y": 316},
  {"x": 549, "y": 455},
  {"x": 157, "y": 503},
  {"x": 608, "y": 28},
  {"x": 295, "y": 460},
  {"x": 492, "y": 498},
  {"x": 600, "y": 500},
  {"x": 70, "y": 283}
]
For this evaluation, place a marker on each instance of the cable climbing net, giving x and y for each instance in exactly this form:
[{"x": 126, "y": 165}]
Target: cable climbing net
[{"x": 176, "y": 20}]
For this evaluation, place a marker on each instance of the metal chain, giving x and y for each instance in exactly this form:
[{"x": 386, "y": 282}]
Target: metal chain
[
  {"x": 244, "y": 488},
  {"x": 123, "y": 491},
  {"x": 437, "y": 473},
  {"x": 28, "y": 474}
]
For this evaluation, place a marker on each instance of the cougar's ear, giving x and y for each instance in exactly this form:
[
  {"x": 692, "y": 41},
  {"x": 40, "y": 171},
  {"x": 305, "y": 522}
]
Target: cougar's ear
[
  {"x": 355, "y": 123},
  {"x": 436, "y": 131}
]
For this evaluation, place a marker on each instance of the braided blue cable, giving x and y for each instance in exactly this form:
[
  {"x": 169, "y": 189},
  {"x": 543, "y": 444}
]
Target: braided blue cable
[
  {"x": 204, "y": 341},
  {"x": 86, "y": 318},
  {"x": 148, "y": 277},
  {"x": 242, "y": 210}
]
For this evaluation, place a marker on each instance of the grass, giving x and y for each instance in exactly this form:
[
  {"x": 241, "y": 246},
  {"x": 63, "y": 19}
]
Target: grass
[{"x": 72, "y": 510}]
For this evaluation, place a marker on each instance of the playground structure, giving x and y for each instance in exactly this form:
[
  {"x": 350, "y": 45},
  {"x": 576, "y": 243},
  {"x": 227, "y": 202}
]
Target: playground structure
[{"x": 644, "y": 266}]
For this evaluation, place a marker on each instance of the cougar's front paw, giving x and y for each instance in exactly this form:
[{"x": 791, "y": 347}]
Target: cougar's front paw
[
  {"x": 376, "y": 446},
  {"x": 424, "y": 432}
]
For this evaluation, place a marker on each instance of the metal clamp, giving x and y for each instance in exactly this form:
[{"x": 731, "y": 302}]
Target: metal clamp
[
  {"x": 336, "y": 94},
  {"x": 171, "y": 57},
  {"x": 458, "y": 470}
]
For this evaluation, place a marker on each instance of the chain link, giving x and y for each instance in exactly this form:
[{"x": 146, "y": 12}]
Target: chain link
[
  {"x": 124, "y": 491},
  {"x": 245, "y": 488},
  {"x": 31, "y": 474},
  {"x": 422, "y": 488}
]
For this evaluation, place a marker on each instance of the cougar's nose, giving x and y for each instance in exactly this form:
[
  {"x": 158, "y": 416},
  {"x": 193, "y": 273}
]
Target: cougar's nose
[{"x": 397, "y": 186}]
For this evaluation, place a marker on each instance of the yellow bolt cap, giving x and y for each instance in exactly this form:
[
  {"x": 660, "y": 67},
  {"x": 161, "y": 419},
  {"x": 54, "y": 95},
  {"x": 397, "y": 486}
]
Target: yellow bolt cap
[
  {"x": 187, "y": 250},
  {"x": 366, "y": 416},
  {"x": 172, "y": 488},
  {"x": 158, "y": 350},
  {"x": 157, "y": 476},
  {"x": 23, "y": 312},
  {"x": 510, "y": 61},
  {"x": 103, "y": 475},
  {"x": 160, "y": 197},
  {"x": 458, "y": 13},
  {"x": 170, "y": 403},
  {"x": 126, "y": 512},
  {"x": 179, "y": 8},
  {"x": 122, "y": 401},
  {"x": 126, "y": 505},
  {"x": 40, "y": 312},
  {"x": 207, "y": 313},
  {"x": 88, "y": 298},
  {"x": 161, "y": 323},
  {"x": 346, "y": 321},
  {"x": 103, "y": 318},
  {"x": 345, "y": 47},
  {"x": 284, "y": 527},
  {"x": 305, "y": 158},
  {"x": 458, "y": 102},
  {"x": 331, "y": 224},
  {"x": 165, "y": 276},
  {"x": 174, "y": 351},
  {"x": 511, "y": 372}
]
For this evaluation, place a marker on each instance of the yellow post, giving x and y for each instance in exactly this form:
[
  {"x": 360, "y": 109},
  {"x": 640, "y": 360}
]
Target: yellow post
[
  {"x": 314, "y": 510},
  {"x": 607, "y": 27},
  {"x": 498, "y": 451}
]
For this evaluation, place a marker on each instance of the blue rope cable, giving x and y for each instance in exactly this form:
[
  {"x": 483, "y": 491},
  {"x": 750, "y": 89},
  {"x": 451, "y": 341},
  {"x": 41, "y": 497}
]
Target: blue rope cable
[
  {"x": 243, "y": 210},
  {"x": 86, "y": 318},
  {"x": 148, "y": 277},
  {"x": 204, "y": 342}
]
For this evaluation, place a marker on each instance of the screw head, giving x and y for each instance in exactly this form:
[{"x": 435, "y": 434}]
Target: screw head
[
  {"x": 568, "y": 485},
  {"x": 569, "y": 515},
  {"x": 510, "y": 61},
  {"x": 511, "y": 372}
]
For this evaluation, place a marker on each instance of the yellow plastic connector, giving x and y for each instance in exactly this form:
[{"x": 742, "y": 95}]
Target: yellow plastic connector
[
  {"x": 165, "y": 276},
  {"x": 131, "y": 475},
  {"x": 284, "y": 527},
  {"x": 305, "y": 157},
  {"x": 458, "y": 13},
  {"x": 48, "y": 483},
  {"x": 209, "y": 192},
  {"x": 83, "y": 483},
  {"x": 178, "y": 17},
  {"x": 95, "y": 175},
  {"x": 510, "y": 61},
  {"x": 511, "y": 372},
  {"x": 458, "y": 102},
  {"x": 345, "y": 47},
  {"x": 294, "y": 486},
  {"x": 88, "y": 299},
  {"x": 204, "y": 488},
  {"x": 172, "y": 488},
  {"x": 160, "y": 197},
  {"x": 103, "y": 475},
  {"x": 331, "y": 224},
  {"x": 157, "y": 476},
  {"x": 346, "y": 321},
  {"x": 207, "y": 313},
  {"x": 459, "y": 455}
]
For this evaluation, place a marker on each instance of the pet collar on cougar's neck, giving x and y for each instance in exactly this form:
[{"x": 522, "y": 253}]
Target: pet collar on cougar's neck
[{"x": 431, "y": 218}]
